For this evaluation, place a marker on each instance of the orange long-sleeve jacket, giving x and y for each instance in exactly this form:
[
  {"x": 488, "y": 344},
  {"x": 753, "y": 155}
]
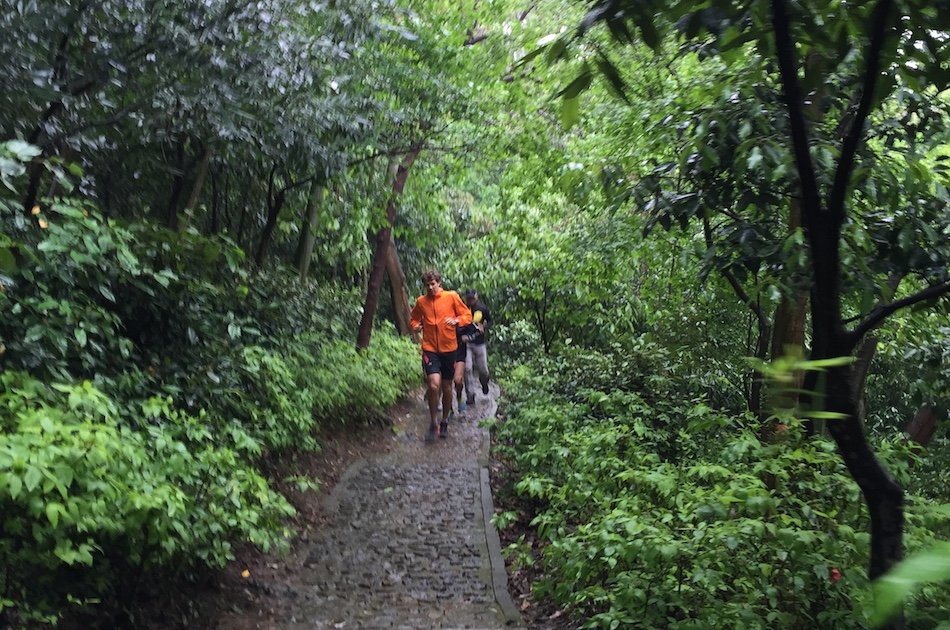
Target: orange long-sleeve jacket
[{"x": 431, "y": 313}]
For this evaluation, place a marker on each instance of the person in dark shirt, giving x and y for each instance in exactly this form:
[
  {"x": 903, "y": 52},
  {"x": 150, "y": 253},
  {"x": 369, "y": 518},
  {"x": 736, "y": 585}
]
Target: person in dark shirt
[
  {"x": 465, "y": 335},
  {"x": 477, "y": 351}
]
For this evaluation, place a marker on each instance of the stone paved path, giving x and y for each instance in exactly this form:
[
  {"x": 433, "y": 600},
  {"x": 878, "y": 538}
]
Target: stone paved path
[{"x": 407, "y": 545}]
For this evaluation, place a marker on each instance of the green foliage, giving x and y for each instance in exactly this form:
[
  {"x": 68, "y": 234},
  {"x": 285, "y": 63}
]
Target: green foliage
[
  {"x": 85, "y": 497},
  {"x": 655, "y": 510},
  {"x": 909, "y": 368},
  {"x": 931, "y": 565},
  {"x": 148, "y": 378}
]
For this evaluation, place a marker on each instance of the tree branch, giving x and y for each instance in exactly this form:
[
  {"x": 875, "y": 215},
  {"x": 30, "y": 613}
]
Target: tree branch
[
  {"x": 403, "y": 150},
  {"x": 785, "y": 51},
  {"x": 851, "y": 141},
  {"x": 879, "y": 314},
  {"x": 732, "y": 280},
  {"x": 480, "y": 34}
]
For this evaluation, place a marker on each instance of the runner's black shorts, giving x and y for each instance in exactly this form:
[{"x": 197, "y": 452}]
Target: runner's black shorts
[
  {"x": 439, "y": 362},
  {"x": 461, "y": 352}
]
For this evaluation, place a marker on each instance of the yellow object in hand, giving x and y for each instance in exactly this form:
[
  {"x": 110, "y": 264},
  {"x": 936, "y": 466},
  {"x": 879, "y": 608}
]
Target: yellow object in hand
[{"x": 478, "y": 317}]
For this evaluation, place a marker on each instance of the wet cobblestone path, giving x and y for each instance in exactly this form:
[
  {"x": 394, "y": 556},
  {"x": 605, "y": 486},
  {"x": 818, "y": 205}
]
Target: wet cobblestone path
[{"x": 407, "y": 545}]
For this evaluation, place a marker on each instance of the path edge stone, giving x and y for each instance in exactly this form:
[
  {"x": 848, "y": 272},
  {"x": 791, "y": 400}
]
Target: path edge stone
[{"x": 499, "y": 573}]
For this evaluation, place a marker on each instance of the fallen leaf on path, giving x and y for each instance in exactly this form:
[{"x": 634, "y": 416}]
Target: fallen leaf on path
[{"x": 245, "y": 573}]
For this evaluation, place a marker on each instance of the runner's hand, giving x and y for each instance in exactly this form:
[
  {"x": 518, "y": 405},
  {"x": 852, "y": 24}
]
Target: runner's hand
[{"x": 451, "y": 321}]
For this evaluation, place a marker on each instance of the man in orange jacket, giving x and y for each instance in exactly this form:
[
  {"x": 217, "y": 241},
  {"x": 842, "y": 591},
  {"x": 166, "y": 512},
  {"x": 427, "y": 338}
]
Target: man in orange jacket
[{"x": 437, "y": 314}]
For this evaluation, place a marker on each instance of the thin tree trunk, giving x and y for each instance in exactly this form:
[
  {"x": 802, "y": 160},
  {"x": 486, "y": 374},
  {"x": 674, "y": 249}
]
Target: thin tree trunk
[
  {"x": 378, "y": 269},
  {"x": 788, "y": 323},
  {"x": 275, "y": 203},
  {"x": 758, "y": 380},
  {"x": 867, "y": 350},
  {"x": 398, "y": 291},
  {"x": 35, "y": 171},
  {"x": 215, "y": 203},
  {"x": 763, "y": 326},
  {"x": 200, "y": 175},
  {"x": 307, "y": 236},
  {"x": 268, "y": 231},
  {"x": 178, "y": 185},
  {"x": 924, "y": 425},
  {"x": 883, "y": 495},
  {"x": 239, "y": 237}
]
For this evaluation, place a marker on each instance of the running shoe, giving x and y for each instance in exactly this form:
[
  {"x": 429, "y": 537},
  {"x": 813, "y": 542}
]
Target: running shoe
[{"x": 444, "y": 426}]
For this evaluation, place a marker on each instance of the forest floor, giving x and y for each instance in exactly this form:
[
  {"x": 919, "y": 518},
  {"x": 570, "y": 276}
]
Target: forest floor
[{"x": 398, "y": 536}]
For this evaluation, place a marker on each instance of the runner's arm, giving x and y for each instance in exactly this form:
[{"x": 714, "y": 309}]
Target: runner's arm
[{"x": 415, "y": 317}]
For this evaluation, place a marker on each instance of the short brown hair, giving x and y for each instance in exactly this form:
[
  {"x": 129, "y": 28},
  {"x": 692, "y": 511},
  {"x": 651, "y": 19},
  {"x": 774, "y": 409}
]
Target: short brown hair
[{"x": 431, "y": 274}]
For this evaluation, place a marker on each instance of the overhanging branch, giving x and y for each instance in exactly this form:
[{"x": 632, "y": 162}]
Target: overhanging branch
[
  {"x": 879, "y": 314},
  {"x": 849, "y": 147}
]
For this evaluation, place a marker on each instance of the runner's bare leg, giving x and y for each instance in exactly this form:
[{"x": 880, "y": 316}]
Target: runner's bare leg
[{"x": 434, "y": 384}]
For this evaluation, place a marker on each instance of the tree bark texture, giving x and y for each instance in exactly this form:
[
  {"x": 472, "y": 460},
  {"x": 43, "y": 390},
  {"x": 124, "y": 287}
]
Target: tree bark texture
[
  {"x": 378, "y": 268},
  {"x": 307, "y": 236},
  {"x": 275, "y": 203},
  {"x": 178, "y": 185},
  {"x": 883, "y": 495},
  {"x": 924, "y": 425},
  {"x": 788, "y": 322},
  {"x": 398, "y": 291},
  {"x": 201, "y": 173},
  {"x": 215, "y": 226}
]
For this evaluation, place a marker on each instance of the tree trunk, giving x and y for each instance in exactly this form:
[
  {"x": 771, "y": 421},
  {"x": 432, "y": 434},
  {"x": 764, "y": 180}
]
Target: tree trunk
[
  {"x": 758, "y": 379},
  {"x": 823, "y": 224},
  {"x": 200, "y": 175},
  {"x": 178, "y": 185},
  {"x": 398, "y": 291},
  {"x": 242, "y": 222},
  {"x": 383, "y": 238},
  {"x": 35, "y": 171},
  {"x": 266, "y": 235},
  {"x": 788, "y": 329},
  {"x": 868, "y": 349},
  {"x": 275, "y": 203},
  {"x": 788, "y": 323},
  {"x": 307, "y": 237},
  {"x": 883, "y": 495},
  {"x": 215, "y": 226},
  {"x": 924, "y": 425}
]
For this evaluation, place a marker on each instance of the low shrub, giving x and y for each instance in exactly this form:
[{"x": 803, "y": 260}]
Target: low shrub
[
  {"x": 88, "y": 501},
  {"x": 149, "y": 378},
  {"x": 655, "y": 512}
]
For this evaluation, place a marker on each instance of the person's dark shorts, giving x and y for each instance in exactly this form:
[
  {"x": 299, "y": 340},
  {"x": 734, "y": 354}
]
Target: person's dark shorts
[
  {"x": 439, "y": 362},
  {"x": 461, "y": 352}
]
